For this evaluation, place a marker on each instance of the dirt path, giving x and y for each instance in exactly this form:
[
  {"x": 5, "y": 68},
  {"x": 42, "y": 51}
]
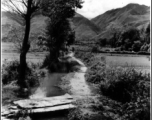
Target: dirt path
[
  {"x": 75, "y": 84},
  {"x": 78, "y": 87}
]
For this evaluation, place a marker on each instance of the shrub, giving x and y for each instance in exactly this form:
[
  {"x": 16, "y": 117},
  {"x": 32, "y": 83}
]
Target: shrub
[
  {"x": 95, "y": 49},
  {"x": 10, "y": 72},
  {"x": 95, "y": 73},
  {"x": 118, "y": 49},
  {"x": 124, "y": 91},
  {"x": 143, "y": 53},
  {"x": 145, "y": 47},
  {"x": 130, "y": 49},
  {"x": 138, "y": 110},
  {"x": 86, "y": 57},
  {"x": 107, "y": 50},
  {"x": 76, "y": 114},
  {"x": 136, "y": 46},
  {"x": 102, "y": 41},
  {"x": 128, "y": 88},
  {"x": 125, "y": 85}
]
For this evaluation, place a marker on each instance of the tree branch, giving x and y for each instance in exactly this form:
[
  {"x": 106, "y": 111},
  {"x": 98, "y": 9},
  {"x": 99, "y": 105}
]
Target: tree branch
[
  {"x": 24, "y": 3},
  {"x": 16, "y": 7}
]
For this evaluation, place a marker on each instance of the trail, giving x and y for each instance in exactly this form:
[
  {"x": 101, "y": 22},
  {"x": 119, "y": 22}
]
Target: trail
[
  {"x": 73, "y": 83},
  {"x": 77, "y": 83},
  {"x": 79, "y": 89}
]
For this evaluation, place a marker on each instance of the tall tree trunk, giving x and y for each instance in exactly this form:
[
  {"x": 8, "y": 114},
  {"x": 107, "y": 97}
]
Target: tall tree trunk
[
  {"x": 23, "y": 64},
  {"x": 25, "y": 47}
]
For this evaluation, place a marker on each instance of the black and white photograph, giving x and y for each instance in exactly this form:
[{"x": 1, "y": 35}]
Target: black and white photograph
[{"x": 75, "y": 59}]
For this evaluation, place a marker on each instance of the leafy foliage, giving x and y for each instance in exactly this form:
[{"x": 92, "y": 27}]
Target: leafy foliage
[
  {"x": 124, "y": 92},
  {"x": 102, "y": 42},
  {"x": 136, "y": 46},
  {"x": 87, "y": 58},
  {"x": 95, "y": 73},
  {"x": 25, "y": 9},
  {"x": 10, "y": 72},
  {"x": 58, "y": 31},
  {"x": 95, "y": 49},
  {"x": 76, "y": 114},
  {"x": 125, "y": 85},
  {"x": 128, "y": 38}
]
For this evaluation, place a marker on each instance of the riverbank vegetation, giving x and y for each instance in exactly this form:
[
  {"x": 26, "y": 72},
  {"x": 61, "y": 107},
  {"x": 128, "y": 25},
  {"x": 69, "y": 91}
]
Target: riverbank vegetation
[
  {"x": 10, "y": 88},
  {"x": 123, "y": 93}
]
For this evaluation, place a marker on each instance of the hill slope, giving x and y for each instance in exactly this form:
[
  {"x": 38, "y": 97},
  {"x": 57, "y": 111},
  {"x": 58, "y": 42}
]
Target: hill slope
[
  {"x": 83, "y": 27},
  {"x": 132, "y": 14}
]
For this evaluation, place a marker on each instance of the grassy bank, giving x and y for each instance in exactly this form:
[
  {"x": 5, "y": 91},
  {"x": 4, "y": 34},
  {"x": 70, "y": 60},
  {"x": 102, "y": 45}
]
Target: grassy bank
[
  {"x": 10, "y": 88},
  {"x": 123, "y": 93}
]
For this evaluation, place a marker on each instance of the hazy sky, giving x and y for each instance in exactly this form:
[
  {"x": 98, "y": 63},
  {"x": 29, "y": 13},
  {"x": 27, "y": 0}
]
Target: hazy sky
[{"x": 92, "y": 8}]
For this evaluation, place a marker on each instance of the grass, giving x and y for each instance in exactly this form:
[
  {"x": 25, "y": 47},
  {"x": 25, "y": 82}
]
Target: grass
[
  {"x": 10, "y": 89},
  {"x": 9, "y": 94},
  {"x": 124, "y": 93},
  {"x": 125, "y": 85}
]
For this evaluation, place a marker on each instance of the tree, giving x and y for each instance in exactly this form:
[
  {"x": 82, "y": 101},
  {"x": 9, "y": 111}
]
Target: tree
[
  {"x": 148, "y": 34},
  {"x": 136, "y": 46},
  {"x": 58, "y": 31},
  {"x": 102, "y": 42},
  {"x": 130, "y": 33},
  {"x": 115, "y": 30},
  {"x": 15, "y": 35},
  {"x": 25, "y": 9}
]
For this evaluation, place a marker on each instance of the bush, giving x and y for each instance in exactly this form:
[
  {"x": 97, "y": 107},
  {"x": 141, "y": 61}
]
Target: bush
[
  {"x": 102, "y": 41},
  {"x": 145, "y": 47},
  {"x": 125, "y": 85},
  {"x": 86, "y": 57},
  {"x": 124, "y": 92},
  {"x": 95, "y": 73},
  {"x": 118, "y": 49},
  {"x": 107, "y": 50},
  {"x": 138, "y": 110},
  {"x": 128, "y": 89},
  {"x": 10, "y": 73},
  {"x": 76, "y": 114},
  {"x": 136, "y": 46},
  {"x": 95, "y": 49}
]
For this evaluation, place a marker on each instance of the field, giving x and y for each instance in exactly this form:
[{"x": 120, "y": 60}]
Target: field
[
  {"x": 140, "y": 62},
  {"x": 9, "y": 53}
]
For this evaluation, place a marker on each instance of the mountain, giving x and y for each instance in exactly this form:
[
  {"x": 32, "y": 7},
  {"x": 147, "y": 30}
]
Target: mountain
[
  {"x": 83, "y": 27},
  {"x": 10, "y": 19},
  {"x": 132, "y": 14},
  {"x": 7, "y": 22}
]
